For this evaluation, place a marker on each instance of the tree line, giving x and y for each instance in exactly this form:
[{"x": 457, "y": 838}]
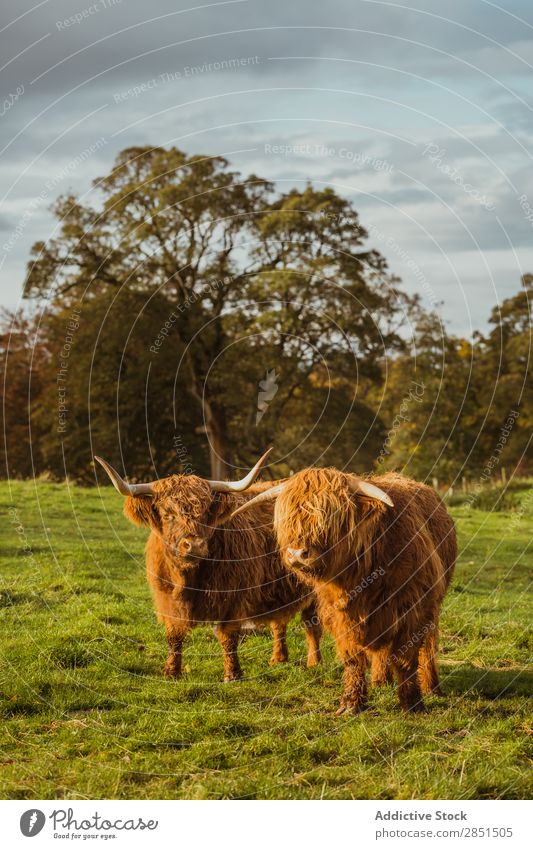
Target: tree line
[{"x": 187, "y": 317}]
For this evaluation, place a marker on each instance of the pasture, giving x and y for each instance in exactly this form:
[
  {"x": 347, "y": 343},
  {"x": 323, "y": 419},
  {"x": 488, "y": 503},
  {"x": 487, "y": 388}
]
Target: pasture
[{"x": 87, "y": 714}]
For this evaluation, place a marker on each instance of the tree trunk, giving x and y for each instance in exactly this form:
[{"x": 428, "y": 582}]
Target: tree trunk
[
  {"x": 214, "y": 427},
  {"x": 218, "y": 447}
]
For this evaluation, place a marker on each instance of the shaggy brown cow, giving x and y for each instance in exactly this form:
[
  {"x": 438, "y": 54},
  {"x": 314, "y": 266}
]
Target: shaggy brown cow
[
  {"x": 380, "y": 555},
  {"x": 203, "y": 566}
]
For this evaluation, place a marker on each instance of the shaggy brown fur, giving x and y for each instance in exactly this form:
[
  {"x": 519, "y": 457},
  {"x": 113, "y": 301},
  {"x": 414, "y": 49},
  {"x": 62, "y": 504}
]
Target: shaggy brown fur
[
  {"x": 203, "y": 566},
  {"x": 380, "y": 573}
]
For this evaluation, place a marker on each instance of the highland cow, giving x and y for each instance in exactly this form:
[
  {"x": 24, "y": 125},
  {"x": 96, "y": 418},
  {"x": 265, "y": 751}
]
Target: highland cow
[
  {"x": 380, "y": 554},
  {"x": 204, "y": 567}
]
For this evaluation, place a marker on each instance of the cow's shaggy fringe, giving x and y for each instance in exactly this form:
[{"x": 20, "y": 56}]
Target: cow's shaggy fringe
[
  {"x": 237, "y": 576},
  {"x": 411, "y": 545}
]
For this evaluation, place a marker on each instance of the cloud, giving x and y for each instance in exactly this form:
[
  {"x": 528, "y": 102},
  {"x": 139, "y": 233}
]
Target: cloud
[{"x": 371, "y": 79}]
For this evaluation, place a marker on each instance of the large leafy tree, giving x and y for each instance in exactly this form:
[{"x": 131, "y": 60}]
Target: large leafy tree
[{"x": 250, "y": 280}]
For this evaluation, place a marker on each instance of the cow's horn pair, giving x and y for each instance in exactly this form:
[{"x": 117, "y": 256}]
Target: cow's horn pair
[
  {"x": 135, "y": 489},
  {"x": 356, "y": 484}
]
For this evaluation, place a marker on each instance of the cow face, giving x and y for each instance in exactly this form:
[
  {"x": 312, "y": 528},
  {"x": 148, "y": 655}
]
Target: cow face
[
  {"x": 179, "y": 511},
  {"x": 184, "y": 504},
  {"x": 321, "y": 523},
  {"x": 179, "y": 507},
  {"x": 324, "y": 520}
]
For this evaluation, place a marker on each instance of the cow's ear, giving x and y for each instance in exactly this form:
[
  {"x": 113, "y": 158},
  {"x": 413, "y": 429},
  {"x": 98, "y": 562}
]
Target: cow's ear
[{"x": 142, "y": 510}]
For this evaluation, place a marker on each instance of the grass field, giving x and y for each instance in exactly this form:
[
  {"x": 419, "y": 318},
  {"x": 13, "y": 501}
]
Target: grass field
[{"x": 86, "y": 713}]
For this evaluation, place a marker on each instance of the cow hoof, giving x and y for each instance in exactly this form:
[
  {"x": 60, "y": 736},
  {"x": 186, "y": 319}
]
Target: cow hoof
[
  {"x": 417, "y": 707},
  {"x": 228, "y": 678},
  {"x": 382, "y": 681},
  {"x": 275, "y": 660},
  {"x": 350, "y": 707},
  {"x": 170, "y": 672}
]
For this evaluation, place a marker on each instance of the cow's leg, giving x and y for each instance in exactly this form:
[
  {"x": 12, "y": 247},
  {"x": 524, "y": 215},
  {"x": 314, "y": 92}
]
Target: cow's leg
[
  {"x": 176, "y": 628},
  {"x": 176, "y": 633},
  {"x": 409, "y": 692},
  {"x": 353, "y": 655},
  {"x": 280, "y": 652},
  {"x": 427, "y": 670},
  {"x": 354, "y": 697},
  {"x": 228, "y": 637},
  {"x": 381, "y": 667},
  {"x": 313, "y": 634}
]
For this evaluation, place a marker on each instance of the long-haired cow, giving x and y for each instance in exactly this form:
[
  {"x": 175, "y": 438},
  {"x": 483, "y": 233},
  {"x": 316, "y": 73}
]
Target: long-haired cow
[
  {"x": 380, "y": 554},
  {"x": 203, "y": 566}
]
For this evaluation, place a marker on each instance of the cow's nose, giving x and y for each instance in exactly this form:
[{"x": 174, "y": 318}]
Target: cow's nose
[{"x": 193, "y": 547}]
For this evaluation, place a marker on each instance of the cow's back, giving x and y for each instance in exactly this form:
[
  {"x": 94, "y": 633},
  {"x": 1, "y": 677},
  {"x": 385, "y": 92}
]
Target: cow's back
[{"x": 410, "y": 493}]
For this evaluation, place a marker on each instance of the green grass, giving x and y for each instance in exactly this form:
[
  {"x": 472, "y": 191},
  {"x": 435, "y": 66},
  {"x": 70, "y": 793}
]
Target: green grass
[{"x": 86, "y": 713}]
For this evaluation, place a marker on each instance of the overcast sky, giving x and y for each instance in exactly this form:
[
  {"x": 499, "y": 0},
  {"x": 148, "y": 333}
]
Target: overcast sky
[{"x": 419, "y": 112}]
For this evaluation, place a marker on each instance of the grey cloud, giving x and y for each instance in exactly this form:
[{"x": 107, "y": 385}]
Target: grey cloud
[
  {"x": 289, "y": 101},
  {"x": 119, "y": 32}
]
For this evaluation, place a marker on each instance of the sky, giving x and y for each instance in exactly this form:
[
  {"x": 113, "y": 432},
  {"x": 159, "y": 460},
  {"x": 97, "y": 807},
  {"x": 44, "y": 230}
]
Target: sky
[{"x": 419, "y": 112}]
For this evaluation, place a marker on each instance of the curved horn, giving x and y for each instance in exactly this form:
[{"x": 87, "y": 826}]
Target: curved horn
[
  {"x": 369, "y": 490},
  {"x": 121, "y": 485},
  {"x": 240, "y": 486},
  {"x": 266, "y": 495}
]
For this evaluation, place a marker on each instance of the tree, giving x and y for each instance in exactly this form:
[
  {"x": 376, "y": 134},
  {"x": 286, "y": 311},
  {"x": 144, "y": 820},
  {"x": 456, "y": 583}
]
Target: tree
[
  {"x": 104, "y": 392},
  {"x": 473, "y": 412},
  {"x": 250, "y": 280},
  {"x": 429, "y": 405},
  {"x": 505, "y": 376},
  {"x": 22, "y": 362}
]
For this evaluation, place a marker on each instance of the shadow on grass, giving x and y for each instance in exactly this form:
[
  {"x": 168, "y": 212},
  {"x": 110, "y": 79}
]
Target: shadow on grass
[{"x": 471, "y": 682}]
